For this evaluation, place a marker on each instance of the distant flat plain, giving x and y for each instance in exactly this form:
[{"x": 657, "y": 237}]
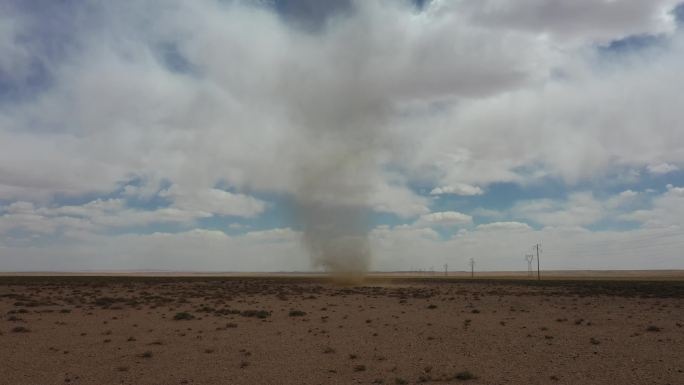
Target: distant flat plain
[
  {"x": 547, "y": 274},
  {"x": 578, "y": 327}
]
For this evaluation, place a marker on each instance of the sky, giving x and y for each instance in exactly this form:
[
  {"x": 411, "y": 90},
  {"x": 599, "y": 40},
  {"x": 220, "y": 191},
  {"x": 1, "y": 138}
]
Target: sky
[{"x": 199, "y": 135}]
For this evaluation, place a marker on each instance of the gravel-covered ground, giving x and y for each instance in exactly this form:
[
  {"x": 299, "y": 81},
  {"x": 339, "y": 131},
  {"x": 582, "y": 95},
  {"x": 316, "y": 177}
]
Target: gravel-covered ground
[{"x": 163, "y": 330}]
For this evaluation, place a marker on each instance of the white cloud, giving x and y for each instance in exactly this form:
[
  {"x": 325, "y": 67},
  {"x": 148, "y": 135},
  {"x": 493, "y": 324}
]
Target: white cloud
[
  {"x": 578, "y": 20},
  {"x": 662, "y": 168},
  {"x": 397, "y": 199},
  {"x": 623, "y": 199},
  {"x": 500, "y": 248},
  {"x": 273, "y": 235},
  {"x": 462, "y": 93},
  {"x": 579, "y": 209},
  {"x": 628, "y": 194},
  {"x": 444, "y": 218},
  {"x": 399, "y": 247},
  {"x": 211, "y": 250},
  {"x": 667, "y": 210},
  {"x": 97, "y": 207},
  {"x": 407, "y": 231},
  {"x": 100, "y": 215},
  {"x": 582, "y": 209},
  {"x": 214, "y": 202},
  {"x": 459, "y": 95},
  {"x": 497, "y": 226},
  {"x": 457, "y": 189}
]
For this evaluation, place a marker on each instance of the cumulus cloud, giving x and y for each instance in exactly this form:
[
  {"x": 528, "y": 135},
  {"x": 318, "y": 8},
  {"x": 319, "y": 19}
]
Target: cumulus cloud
[
  {"x": 579, "y": 209},
  {"x": 580, "y": 19},
  {"x": 450, "y": 51},
  {"x": 667, "y": 210},
  {"x": 100, "y": 215},
  {"x": 496, "y": 226},
  {"x": 214, "y": 201},
  {"x": 499, "y": 248},
  {"x": 445, "y": 218},
  {"x": 399, "y": 200},
  {"x": 582, "y": 209},
  {"x": 457, "y": 189},
  {"x": 628, "y": 194},
  {"x": 482, "y": 87},
  {"x": 273, "y": 235},
  {"x": 662, "y": 168},
  {"x": 211, "y": 250},
  {"x": 396, "y": 248},
  {"x": 210, "y": 104}
]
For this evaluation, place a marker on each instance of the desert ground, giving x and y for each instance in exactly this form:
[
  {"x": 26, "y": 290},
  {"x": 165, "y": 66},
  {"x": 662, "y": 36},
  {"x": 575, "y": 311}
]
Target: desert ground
[{"x": 393, "y": 329}]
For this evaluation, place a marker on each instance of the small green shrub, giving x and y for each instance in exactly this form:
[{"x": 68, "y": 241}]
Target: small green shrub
[
  {"x": 464, "y": 376},
  {"x": 255, "y": 313},
  {"x": 183, "y": 316},
  {"x": 297, "y": 313}
]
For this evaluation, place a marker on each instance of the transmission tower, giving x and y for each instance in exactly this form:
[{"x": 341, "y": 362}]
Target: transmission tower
[{"x": 472, "y": 267}]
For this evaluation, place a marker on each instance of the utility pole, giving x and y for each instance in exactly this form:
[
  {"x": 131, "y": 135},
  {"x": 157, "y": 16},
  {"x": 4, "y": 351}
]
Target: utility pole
[
  {"x": 472, "y": 267},
  {"x": 446, "y": 270},
  {"x": 537, "y": 248}
]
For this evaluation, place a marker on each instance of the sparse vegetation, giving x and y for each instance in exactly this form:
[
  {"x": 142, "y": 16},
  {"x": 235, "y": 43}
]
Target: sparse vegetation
[
  {"x": 256, "y": 313},
  {"x": 343, "y": 317},
  {"x": 464, "y": 376},
  {"x": 183, "y": 316}
]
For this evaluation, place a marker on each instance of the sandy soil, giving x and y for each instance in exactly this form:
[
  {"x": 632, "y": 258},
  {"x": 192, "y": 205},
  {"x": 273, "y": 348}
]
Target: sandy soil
[{"x": 240, "y": 330}]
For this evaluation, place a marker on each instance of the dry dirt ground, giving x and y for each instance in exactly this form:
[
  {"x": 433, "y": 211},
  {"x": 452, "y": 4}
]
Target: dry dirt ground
[{"x": 213, "y": 330}]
